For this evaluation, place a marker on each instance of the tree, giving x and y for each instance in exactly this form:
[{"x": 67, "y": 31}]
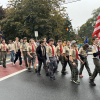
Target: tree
[
  {"x": 23, "y": 17},
  {"x": 2, "y": 13},
  {"x": 86, "y": 30}
]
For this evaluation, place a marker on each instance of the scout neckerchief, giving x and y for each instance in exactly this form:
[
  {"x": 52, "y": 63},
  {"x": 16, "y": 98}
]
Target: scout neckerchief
[
  {"x": 24, "y": 45},
  {"x": 77, "y": 54},
  {"x": 17, "y": 45},
  {"x": 61, "y": 49},
  {"x": 52, "y": 50},
  {"x": 3, "y": 46}
]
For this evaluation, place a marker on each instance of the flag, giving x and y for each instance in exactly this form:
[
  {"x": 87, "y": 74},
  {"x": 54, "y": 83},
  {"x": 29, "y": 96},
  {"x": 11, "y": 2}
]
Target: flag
[{"x": 97, "y": 28}]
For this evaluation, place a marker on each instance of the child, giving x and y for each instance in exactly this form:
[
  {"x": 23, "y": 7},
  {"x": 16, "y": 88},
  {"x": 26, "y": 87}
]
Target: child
[
  {"x": 83, "y": 55},
  {"x": 73, "y": 57},
  {"x": 31, "y": 49}
]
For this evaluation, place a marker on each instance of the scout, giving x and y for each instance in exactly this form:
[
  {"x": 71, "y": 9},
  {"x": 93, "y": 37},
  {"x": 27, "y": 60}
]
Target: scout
[
  {"x": 52, "y": 59},
  {"x": 96, "y": 59},
  {"x": 59, "y": 52},
  {"x": 73, "y": 57},
  {"x": 31, "y": 49},
  {"x": 17, "y": 51},
  {"x": 66, "y": 58},
  {"x": 83, "y": 55},
  {"x": 4, "y": 50},
  {"x": 23, "y": 49},
  {"x": 11, "y": 49},
  {"x": 41, "y": 53}
]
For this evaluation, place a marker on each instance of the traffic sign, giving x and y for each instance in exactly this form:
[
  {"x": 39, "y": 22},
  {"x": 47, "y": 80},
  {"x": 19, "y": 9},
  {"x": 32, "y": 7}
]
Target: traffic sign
[{"x": 36, "y": 33}]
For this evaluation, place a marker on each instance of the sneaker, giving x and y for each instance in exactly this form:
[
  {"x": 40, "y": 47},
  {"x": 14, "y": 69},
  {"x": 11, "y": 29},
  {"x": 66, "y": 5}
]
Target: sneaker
[
  {"x": 14, "y": 64},
  {"x": 81, "y": 76},
  {"x": 72, "y": 80},
  {"x": 77, "y": 82},
  {"x": 54, "y": 78},
  {"x": 29, "y": 69}
]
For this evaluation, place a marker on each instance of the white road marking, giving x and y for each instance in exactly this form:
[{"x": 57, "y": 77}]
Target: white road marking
[{"x": 6, "y": 77}]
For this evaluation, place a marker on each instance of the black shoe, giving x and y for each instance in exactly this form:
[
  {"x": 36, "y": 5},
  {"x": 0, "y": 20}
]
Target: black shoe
[
  {"x": 47, "y": 74},
  {"x": 35, "y": 70},
  {"x": 54, "y": 78},
  {"x": 4, "y": 66},
  {"x": 38, "y": 73},
  {"x": 29, "y": 69},
  {"x": 92, "y": 82},
  {"x": 63, "y": 73}
]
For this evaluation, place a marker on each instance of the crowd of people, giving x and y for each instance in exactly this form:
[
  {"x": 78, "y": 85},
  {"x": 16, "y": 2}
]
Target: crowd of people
[{"x": 50, "y": 55}]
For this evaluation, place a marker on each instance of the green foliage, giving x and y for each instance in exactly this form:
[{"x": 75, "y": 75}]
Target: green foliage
[{"x": 23, "y": 17}]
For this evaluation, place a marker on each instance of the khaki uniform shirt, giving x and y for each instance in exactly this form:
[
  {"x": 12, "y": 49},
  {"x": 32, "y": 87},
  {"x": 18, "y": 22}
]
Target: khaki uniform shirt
[
  {"x": 2, "y": 47},
  {"x": 17, "y": 47},
  {"x": 58, "y": 50},
  {"x": 29, "y": 48},
  {"x": 11, "y": 47},
  {"x": 72, "y": 53},
  {"x": 82, "y": 52},
  {"x": 94, "y": 49},
  {"x": 24, "y": 46},
  {"x": 66, "y": 50},
  {"x": 49, "y": 51}
]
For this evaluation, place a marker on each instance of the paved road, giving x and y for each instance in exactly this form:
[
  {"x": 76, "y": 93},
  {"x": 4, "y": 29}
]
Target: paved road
[{"x": 30, "y": 86}]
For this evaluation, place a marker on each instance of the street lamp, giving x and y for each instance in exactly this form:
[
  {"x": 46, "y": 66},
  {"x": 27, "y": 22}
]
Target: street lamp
[{"x": 68, "y": 32}]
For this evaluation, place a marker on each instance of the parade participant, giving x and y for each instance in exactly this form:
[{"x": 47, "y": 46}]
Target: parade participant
[
  {"x": 11, "y": 49},
  {"x": 21, "y": 41},
  {"x": 23, "y": 49},
  {"x": 59, "y": 52},
  {"x": 96, "y": 59},
  {"x": 64, "y": 44},
  {"x": 17, "y": 51},
  {"x": 73, "y": 57},
  {"x": 41, "y": 53},
  {"x": 4, "y": 50},
  {"x": 52, "y": 58},
  {"x": 45, "y": 42},
  {"x": 31, "y": 49},
  {"x": 83, "y": 55},
  {"x": 65, "y": 59}
]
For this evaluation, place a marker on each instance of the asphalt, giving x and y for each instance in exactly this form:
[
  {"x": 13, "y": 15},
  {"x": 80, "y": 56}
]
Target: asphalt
[{"x": 30, "y": 86}]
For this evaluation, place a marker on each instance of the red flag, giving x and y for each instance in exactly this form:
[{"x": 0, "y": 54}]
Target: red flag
[{"x": 97, "y": 28}]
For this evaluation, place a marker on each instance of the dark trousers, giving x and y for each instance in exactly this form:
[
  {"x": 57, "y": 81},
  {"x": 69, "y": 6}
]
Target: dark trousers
[
  {"x": 40, "y": 64},
  {"x": 60, "y": 59},
  {"x": 97, "y": 68},
  {"x": 25, "y": 58},
  {"x": 18, "y": 55},
  {"x": 3, "y": 56},
  {"x": 74, "y": 70},
  {"x": 86, "y": 65},
  {"x": 52, "y": 66},
  {"x": 65, "y": 64}
]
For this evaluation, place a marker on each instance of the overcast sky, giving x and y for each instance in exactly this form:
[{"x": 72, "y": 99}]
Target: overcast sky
[{"x": 79, "y": 11}]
